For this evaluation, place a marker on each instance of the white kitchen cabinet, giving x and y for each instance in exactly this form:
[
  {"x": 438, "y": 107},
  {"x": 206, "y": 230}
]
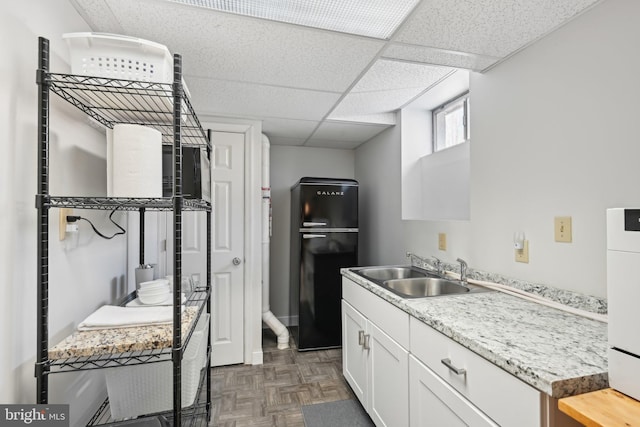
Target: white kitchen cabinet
[
  {"x": 377, "y": 368},
  {"x": 374, "y": 363},
  {"x": 416, "y": 387},
  {"x": 434, "y": 403},
  {"x": 389, "y": 318},
  {"x": 501, "y": 396},
  {"x": 354, "y": 356},
  {"x": 388, "y": 380}
]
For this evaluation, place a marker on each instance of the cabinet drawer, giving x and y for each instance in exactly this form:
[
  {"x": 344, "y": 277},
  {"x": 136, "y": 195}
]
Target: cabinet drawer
[
  {"x": 433, "y": 403},
  {"x": 500, "y": 395},
  {"x": 390, "y": 319}
]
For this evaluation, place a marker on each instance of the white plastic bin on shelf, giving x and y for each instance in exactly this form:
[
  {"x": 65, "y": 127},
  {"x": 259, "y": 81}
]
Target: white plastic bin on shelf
[
  {"x": 148, "y": 388},
  {"x": 117, "y": 56}
]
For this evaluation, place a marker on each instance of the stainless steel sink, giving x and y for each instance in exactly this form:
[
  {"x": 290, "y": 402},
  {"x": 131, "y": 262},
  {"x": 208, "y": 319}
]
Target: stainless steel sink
[
  {"x": 424, "y": 287},
  {"x": 390, "y": 273},
  {"x": 413, "y": 282}
]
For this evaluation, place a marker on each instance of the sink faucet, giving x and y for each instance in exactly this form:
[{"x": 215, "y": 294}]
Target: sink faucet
[
  {"x": 438, "y": 265},
  {"x": 463, "y": 271}
]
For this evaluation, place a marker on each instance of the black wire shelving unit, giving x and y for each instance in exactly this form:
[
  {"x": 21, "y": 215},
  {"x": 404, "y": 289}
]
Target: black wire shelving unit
[{"x": 162, "y": 106}]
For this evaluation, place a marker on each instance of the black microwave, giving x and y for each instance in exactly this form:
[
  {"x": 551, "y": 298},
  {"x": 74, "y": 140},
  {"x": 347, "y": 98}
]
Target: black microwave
[{"x": 196, "y": 178}]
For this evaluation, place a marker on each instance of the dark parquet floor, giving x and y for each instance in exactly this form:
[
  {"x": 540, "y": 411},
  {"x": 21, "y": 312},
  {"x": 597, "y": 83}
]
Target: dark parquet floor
[{"x": 273, "y": 394}]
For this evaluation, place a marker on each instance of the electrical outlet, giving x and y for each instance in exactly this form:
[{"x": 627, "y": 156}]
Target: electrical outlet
[
  {"x": 62, "y": 229},
  {"x": 563, "y": 229},
  {"x": 522, "y": 255},
  {"x": 442, "y": 241}
]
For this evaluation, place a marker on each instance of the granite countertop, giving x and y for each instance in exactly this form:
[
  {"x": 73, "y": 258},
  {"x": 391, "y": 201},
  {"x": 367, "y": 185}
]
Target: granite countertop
[
  {"x": 558, "y": 353},
  {"x": 120, "y": 340}
]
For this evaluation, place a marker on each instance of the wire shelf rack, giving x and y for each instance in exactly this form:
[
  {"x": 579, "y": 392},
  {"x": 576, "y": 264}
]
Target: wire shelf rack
[
  {"x": 196, "y": 415},
  {"x": 111, "y": 101},
  {"x": 197, "y": 298},
  {"x": 124, "y": 203},
  {"x": 106, "y": 101}
]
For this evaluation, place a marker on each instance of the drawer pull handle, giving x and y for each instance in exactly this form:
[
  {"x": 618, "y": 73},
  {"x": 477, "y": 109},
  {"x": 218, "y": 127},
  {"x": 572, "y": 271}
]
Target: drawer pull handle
[
  {"x": 448, "y": 364},
  {"x": 366, "y": 342},
  {"x": 360, "y": 338}
]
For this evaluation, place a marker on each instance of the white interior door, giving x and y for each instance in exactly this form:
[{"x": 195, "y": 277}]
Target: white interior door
[
  {"x": 194, "y": 246},
  {"x": 227, "y": 247}
]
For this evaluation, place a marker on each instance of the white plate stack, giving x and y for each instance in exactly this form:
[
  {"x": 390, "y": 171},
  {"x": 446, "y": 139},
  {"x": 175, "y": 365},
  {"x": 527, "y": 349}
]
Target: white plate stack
[{"x": 154, "y": 292}]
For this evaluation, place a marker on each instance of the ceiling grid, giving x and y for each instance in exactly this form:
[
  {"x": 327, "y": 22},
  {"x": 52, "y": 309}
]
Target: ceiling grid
[{"x": 327, "y": 73}]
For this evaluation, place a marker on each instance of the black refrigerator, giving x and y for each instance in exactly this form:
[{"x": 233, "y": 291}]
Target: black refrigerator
[{"x": 324, "y": 239}]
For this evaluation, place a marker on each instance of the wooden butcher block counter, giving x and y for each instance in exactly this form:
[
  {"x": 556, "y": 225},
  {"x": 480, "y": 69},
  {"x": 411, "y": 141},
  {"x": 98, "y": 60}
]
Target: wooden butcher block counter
[{"x": 602, "y": 408}]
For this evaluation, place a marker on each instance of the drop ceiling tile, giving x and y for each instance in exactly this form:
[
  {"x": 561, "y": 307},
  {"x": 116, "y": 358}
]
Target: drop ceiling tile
[
  {"x": 388, "y": 75},
  {"x": 486, "y": 27},
  {"x": 281, "y": 140},
  {"x": 226, "y": 46},
  {"x": 327, "y": 143},
  {"x": 347, "y": 132},
  {"x": 387, "y": 86},
  {"x": 440, "y": 57},
  {"x": 363, "y": 103},
  {"x": 250, "y": 100},
  {"x": 98, "y": 15},
  {"x": 455, "y": 84},
  {"x": 290, "y": 128}
]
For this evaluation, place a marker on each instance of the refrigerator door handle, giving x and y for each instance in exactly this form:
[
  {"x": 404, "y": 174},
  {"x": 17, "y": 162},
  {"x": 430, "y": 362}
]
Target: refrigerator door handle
[
  {"x": 313, "y": 236},
  {"x": 328, "y": 230},
  {"x": 313, "y": 224}
]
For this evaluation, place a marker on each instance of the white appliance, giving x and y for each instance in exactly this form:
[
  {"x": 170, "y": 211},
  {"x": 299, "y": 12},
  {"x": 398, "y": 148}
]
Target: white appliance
[{"x": 623, "y": 296}]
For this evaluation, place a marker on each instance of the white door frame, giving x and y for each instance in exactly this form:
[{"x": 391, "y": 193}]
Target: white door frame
[
  {"x": 155, "y": 253},
  {"x": 252, "y": 229}
]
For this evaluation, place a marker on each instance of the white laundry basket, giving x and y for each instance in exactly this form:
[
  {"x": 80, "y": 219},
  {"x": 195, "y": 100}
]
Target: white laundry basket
[
  {"x": 148, "y": 388},
  {"x": 117, "y": 56}
]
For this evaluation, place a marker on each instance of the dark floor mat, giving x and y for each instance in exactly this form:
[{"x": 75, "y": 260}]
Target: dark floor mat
[{"x": 341, "y": 413}]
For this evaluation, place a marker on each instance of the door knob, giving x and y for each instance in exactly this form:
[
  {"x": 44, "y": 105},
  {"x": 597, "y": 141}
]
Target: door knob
[{"x": 236, "y": 261}]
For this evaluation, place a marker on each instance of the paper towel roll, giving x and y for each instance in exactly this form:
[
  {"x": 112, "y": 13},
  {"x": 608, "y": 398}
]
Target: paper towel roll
[{"x": 137, "y": 161}]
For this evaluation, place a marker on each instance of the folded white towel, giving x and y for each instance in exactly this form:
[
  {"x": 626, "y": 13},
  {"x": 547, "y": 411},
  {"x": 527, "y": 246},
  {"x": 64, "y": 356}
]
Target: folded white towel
[{"x": 114, "y": 317}]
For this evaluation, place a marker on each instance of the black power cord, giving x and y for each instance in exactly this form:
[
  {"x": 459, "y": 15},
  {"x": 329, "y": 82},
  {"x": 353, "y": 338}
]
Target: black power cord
[{"x": 74, "y": 218}]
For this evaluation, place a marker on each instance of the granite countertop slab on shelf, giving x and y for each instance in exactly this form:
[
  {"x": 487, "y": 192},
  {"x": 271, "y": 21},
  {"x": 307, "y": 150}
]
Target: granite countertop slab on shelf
[
  {"x": 558, "y": 353},
  {"x": 120, "y": 340}
]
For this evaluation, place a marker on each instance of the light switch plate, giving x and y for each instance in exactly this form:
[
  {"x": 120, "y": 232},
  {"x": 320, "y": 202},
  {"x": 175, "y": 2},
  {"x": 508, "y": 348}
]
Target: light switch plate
[
  {"x": 562, "y": 226},
  {"x": 522, "y": 255},
  {"x": 442, "y": 241}
]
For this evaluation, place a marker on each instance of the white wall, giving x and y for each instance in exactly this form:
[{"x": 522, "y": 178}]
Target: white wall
[
  {"x": 81, "y": 278},
  {"x": 427, "y": 177},
  {"x": 554, "y": 132},
  {"x": 378, "y": 171},
  {"x": 288, "y": 165},
  {"x": 414, "y": 142},
  {"x": 445, "y": 183}
]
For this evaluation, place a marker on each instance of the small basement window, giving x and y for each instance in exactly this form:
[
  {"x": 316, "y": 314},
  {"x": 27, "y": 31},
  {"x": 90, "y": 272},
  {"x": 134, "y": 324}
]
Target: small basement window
[{"x": 451, "y": 123}]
